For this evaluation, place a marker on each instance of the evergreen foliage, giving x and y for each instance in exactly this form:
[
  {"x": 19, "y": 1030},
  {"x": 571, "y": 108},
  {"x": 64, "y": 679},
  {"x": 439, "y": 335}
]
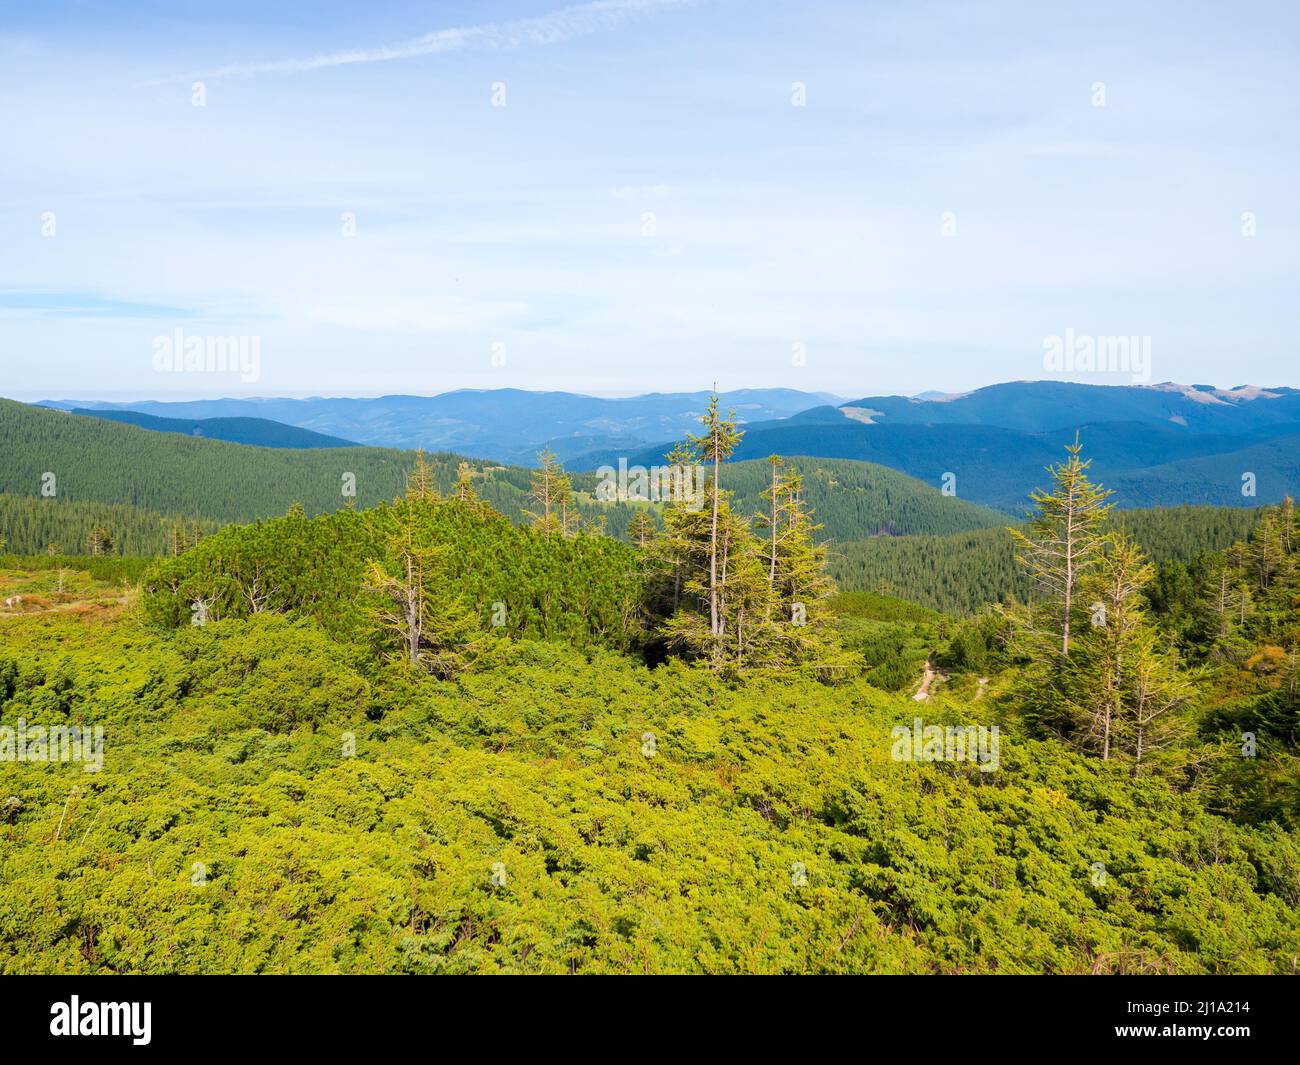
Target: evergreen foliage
[
  {"x": 31, "y": 525},
  {"x": 273, "y": 800},
  {"x": 723, "y": 594}
]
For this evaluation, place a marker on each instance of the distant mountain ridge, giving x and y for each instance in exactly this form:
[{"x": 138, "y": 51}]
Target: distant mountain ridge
[
  {"x": 1039, "y": 406},
  {"x": 508, "y": 425},
  {"x": 1156, "y": 445}
]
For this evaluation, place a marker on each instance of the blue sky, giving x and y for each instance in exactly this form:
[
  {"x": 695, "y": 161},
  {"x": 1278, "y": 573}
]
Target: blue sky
[{"x": 649, "y": 210}]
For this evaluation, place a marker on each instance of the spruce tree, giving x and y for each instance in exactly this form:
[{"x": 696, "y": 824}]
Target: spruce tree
[
  {"x": 712, "y": 595},
  {"x": 668, "y": 559},
  {"x": 1123, "y": 690},
  {"x": 715, "y": 446},
  {"x": 797, "y": 577},
  {"x": 551, "y": 492},
  {"x": 725, "y": 597},
  {"x": 1063, "y": 540},
  {"x": 421, "y": 482},
  {"x": 1157, "y": 692},
  {"x": 769, "y": 521},
  {"x": 464, "y": 488},
  {"x": 437, "y": 631},
  {"x": 1099, "y": 678},
  {"x": 99, "y": 541},
  {"x": 641, "y": 530}
]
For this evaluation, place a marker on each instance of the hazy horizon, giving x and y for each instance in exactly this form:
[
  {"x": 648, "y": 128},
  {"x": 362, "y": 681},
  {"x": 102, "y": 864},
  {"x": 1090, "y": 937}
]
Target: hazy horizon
[{"x": 840, "y": 395}]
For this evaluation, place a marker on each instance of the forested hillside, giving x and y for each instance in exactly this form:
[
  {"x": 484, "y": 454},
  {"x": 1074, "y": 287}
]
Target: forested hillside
[
  {"x": 260, "y": 432},
  {"x": 88, "y": 460},
  {"x": 93, "y": 460},
  {"x": 855, "y": 499},
  {"x": 32, "y": 526},
  {"x": 989, "y": 465},
  {"x": 961, "y": 572},
  {"x": 961, "y": 559}
]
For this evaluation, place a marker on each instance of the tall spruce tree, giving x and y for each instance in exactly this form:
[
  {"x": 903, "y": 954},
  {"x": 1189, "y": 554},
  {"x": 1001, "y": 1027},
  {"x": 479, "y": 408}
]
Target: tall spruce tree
[
  {"x": 799, "y": 585},
  {"x": 1158, "y": 691},
  {"x": 1120, "y": 691},
  {"x": 715, "y": 445},
  {"x": 725, "y": 596},
  {"x": 99, "y": 541},
  {"x": 708, "y": 586},
  {"x": 421, "y": 482},
  {"x": 722, "y": 593},
  {"x": 641, "y": 530},
  {"x": 1100, "y": 670},
  {"x": 1063, "y": 541},
  {"x": 552, "y": 494},
  {"x": 412, "y": 594}
]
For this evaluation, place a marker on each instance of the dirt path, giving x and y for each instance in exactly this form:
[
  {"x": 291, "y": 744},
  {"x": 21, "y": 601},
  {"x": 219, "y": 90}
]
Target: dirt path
[
  {"x": 984, "y": 683},
  {"x": 927, "y": 678},
  {"x": 106, "y": 602}
]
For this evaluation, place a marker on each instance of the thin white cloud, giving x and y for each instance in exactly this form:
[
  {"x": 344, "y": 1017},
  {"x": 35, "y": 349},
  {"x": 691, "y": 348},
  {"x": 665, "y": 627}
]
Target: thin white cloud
[{"x": 551, "y": 28}]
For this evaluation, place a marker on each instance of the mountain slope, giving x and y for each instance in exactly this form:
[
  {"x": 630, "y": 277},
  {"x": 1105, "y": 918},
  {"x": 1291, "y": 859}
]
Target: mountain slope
[
  {"x": 1157, "y": 445},
  {"x": 994, "y": 467},
  {"x": 1038, "y": 406},
  {"x": 260, "y": 432},
  {"x": 854, "y": 499},
  {"x": 1148, "y": 464},
  {"x": 95, "y": 460},
  {"x": 1219, "y": 479}
]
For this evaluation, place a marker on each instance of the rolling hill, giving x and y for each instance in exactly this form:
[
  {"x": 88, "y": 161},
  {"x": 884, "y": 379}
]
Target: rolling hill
[
  {"x": 855, "y": 499},
  {"x": 96, "y": 460}
]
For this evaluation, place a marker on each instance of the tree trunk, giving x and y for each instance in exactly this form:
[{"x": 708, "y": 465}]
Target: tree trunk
[{"x": 413, "y": 594}]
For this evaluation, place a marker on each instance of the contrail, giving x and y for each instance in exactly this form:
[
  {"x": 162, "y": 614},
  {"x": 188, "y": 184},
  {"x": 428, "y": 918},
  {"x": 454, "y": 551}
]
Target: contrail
[{"x": 550, "y": 28}]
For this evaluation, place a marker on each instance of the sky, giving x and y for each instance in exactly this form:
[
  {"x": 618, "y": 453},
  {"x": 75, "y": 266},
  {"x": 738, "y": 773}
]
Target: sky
[{"x": 631, "y": 196}]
